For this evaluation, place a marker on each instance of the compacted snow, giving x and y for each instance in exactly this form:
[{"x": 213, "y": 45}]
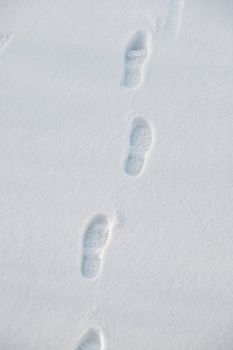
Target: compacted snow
[{"x": 116, "y": 144}]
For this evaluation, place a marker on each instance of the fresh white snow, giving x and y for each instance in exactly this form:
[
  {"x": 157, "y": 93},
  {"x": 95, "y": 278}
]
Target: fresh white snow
[{"x": 116, "y": 149}]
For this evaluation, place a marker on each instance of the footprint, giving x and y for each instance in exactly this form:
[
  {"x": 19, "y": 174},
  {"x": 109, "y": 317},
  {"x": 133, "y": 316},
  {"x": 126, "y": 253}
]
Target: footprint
[
  {"x": 4, "y": 40},
  {"x": 136, "y": 55},
  {"x": 95, "y": 238},
  {"x": 92, "y": 340},
  {"x": 174, "y": 18},
  {"x": 140, "y": 144}
]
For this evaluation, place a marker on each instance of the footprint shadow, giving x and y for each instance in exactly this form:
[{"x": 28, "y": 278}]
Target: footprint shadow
[{"x": 91, "y": 340}]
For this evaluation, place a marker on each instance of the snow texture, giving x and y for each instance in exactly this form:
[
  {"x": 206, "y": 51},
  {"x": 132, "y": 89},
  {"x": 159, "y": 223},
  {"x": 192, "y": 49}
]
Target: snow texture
[{"x": 116, "y": 148}]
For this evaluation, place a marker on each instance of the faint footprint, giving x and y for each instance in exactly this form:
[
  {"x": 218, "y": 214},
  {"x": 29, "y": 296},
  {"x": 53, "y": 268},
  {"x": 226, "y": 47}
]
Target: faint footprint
[
  {"x": 136, "y": 54},
  {"x": 140, "y": 143},
  {"x": 4, "y": 40},
  {"x": 92, "y": 340},
  {"x": 174, "y": 18},
  {"x": 95, "y": 238}
]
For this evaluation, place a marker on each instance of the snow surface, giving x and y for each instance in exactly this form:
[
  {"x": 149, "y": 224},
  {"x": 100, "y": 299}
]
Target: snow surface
[{"x": 75, "y": 77}]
